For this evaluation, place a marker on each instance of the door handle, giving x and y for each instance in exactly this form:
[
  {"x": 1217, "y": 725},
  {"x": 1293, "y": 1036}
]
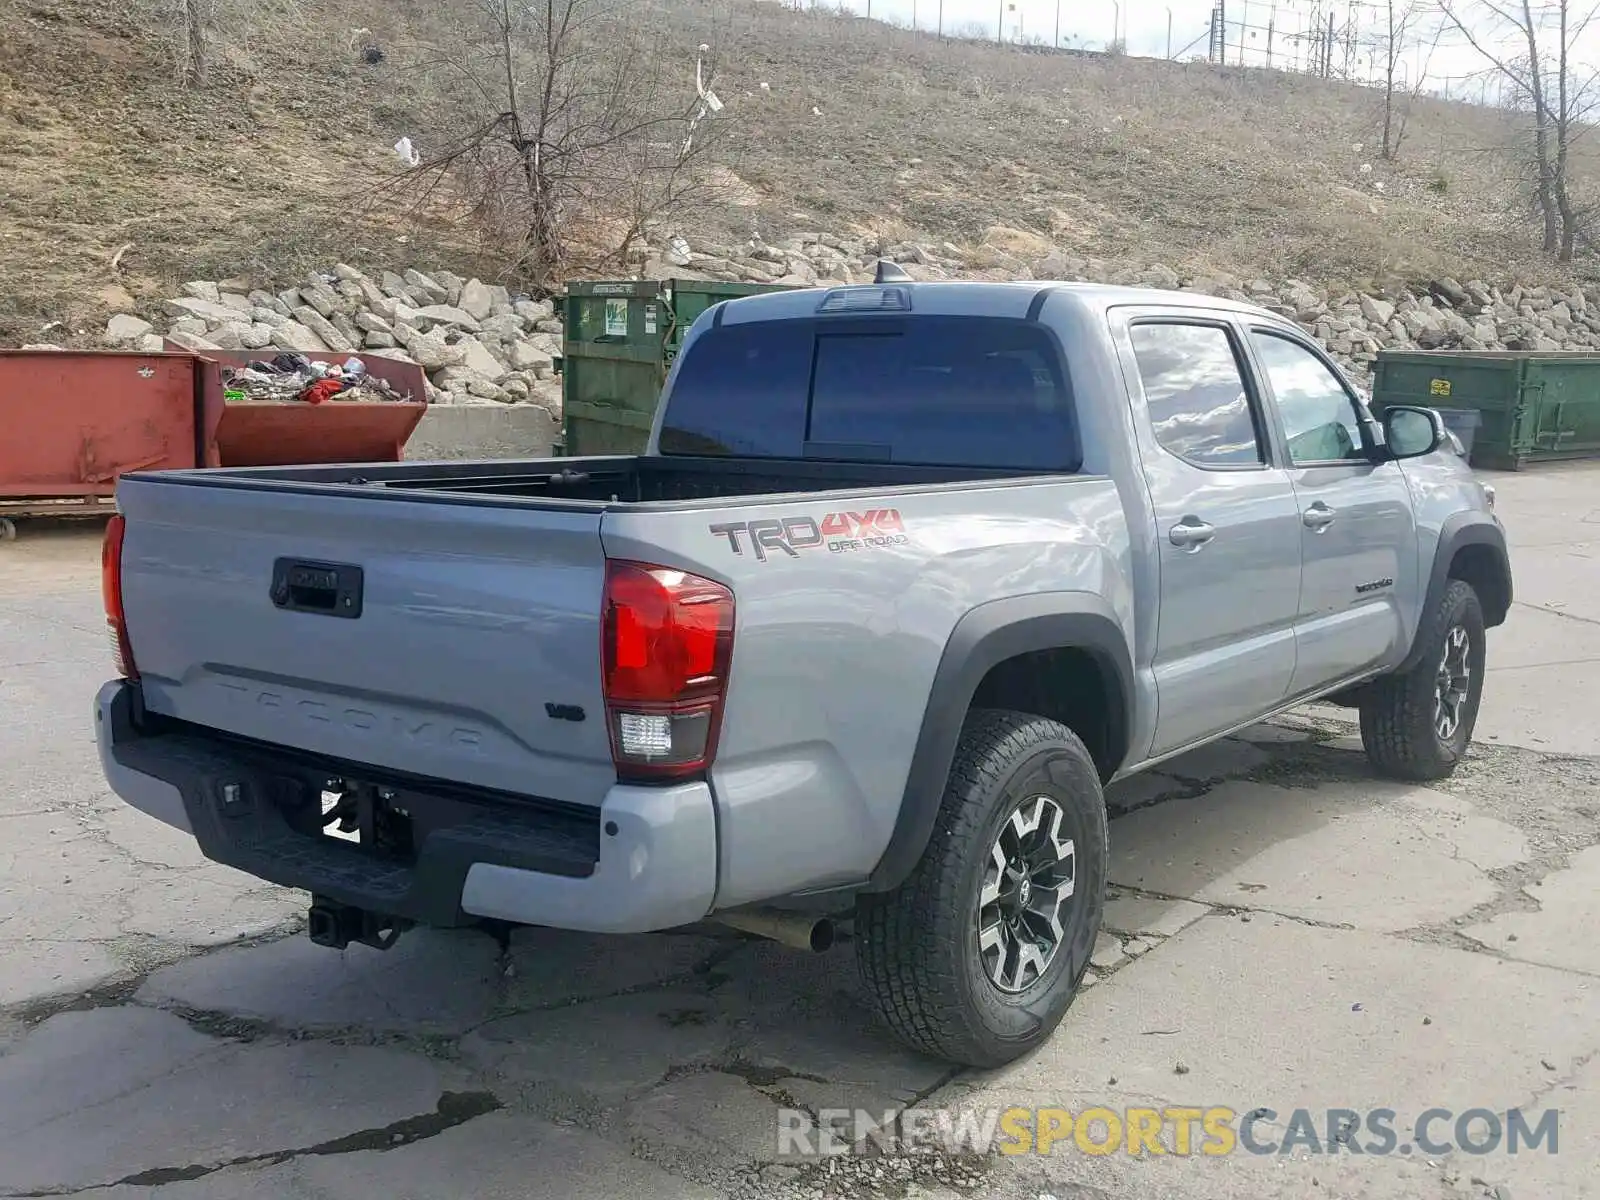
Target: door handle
[
  {"x": 1318, "y": 517},
  {"x": 1191, "y": 534}
]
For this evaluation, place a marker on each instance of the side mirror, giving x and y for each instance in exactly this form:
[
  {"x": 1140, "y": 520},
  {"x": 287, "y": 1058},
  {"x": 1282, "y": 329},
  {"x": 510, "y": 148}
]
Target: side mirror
[{"x": 1412, "y": 432}]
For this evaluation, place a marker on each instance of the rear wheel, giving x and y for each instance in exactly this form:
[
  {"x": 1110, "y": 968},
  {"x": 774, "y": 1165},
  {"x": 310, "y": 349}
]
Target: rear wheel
[
  {"x": 977, "y": 955},
  {"x": 1417, "y": 726}
]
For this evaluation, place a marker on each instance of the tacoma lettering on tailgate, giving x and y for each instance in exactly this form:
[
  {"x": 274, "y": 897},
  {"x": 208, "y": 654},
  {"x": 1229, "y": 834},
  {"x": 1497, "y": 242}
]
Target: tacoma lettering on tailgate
[{"x": 840, "y": 532}]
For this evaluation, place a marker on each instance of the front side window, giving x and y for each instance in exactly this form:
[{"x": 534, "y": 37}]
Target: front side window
[
  {"x": 1196, "y": 395},
  {"x": 1319, "y": 418}
]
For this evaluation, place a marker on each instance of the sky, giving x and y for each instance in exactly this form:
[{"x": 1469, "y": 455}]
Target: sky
[{"x": 1452, "y": 67}]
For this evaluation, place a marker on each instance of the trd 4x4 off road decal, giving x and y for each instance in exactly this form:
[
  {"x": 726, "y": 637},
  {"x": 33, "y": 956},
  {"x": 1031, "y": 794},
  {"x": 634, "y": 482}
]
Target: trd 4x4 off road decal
[{"x": 840, "y": 532}]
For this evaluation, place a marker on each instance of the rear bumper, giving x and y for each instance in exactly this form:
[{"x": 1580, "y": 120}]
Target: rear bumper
[{"x": 646, "y": 860}]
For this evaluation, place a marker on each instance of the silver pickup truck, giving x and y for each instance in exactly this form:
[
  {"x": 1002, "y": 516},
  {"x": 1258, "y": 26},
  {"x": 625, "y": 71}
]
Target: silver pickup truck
[{"x": 907, "y": 574}]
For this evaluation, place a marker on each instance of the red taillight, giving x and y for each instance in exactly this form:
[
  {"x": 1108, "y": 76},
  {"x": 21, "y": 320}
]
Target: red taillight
[
  {"x": 111, "y": 593},
  {"x": 667, "y": 639}
]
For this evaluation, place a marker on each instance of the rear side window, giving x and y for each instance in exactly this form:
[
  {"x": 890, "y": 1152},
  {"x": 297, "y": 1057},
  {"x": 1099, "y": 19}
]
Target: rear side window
[
  {"x": 935, "y": 391},
  {"x": 1195, "y": 392}
]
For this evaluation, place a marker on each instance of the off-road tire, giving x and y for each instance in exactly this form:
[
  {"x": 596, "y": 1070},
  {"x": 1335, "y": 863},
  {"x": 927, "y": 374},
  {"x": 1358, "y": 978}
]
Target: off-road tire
[
  {"x": 917, "y": 946},
  {"x": 1398, "y": 712}
]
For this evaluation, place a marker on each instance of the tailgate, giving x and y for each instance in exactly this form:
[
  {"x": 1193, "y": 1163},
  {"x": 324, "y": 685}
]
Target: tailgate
[{"x": 469, "y": 621}]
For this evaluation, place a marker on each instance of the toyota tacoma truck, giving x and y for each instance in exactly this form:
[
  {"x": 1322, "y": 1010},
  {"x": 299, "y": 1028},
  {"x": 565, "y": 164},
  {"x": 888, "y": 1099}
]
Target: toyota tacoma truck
[{"x": 907, "y": 574}]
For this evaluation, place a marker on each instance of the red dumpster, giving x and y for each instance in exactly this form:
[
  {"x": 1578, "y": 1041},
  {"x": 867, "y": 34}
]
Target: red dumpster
[
  {"x": 72, "y": 421},
  {"x": 245, "y": 434}
]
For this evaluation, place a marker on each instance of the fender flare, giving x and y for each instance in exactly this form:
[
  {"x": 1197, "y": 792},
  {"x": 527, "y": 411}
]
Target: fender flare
[
  {"x": 985, "y": 636},
  {"x": 1458, "y": 531}
]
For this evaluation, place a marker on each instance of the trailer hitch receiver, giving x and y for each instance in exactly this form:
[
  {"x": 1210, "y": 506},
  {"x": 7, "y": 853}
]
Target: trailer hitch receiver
[{"x": 336, "y": 925}]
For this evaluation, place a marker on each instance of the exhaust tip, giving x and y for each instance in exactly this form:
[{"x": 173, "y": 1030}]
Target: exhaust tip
[
  {"x": 822, "y": 935},
  {"x": 795, "y": 930}
]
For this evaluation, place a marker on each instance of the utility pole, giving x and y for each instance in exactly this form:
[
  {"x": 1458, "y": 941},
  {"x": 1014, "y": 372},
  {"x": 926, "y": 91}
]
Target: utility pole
[
  {"x": 1000, "y": 24},
  {"x": 941, "y": 20},
  {"x": 1169, "y": 33},
  {"x": 1058, "y": 25}
]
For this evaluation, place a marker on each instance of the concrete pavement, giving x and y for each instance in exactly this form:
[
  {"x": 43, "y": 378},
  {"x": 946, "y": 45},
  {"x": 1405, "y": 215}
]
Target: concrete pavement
[{"x": 1285, "y": 933}]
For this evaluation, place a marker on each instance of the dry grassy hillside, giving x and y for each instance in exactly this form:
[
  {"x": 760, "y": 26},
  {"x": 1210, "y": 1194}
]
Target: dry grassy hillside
[{"x": 282, "y": 162}]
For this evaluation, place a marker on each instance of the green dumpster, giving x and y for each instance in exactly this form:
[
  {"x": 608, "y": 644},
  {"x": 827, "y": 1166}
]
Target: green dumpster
[
  {"x": 1532, "y": 405},
  {"x": 621, "y": 338}
]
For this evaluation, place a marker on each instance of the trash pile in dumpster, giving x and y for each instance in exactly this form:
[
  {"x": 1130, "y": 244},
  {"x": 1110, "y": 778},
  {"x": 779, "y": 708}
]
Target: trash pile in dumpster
[{"x": 291, "y": 378}]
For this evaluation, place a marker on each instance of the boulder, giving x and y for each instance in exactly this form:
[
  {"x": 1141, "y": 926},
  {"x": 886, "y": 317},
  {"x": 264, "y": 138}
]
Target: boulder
[
  {"x": 397, "y": 354},
  {"x": 477, "y": 359},
  {"x": 1379, "y": 312},
  {"x": 488, "y": 390},
  {"x": 325, "y": 330},
  {"x": 124, "y": 328},
  {"x": 443, "y": 314},
  {"x": 378, "y": 339},
  {"x": 256, "y": 336},
  {"x": 347, "y": 328},
  {"x": 429, "y": 350},
  {"x": 526, "y": 356},
  {"x": 1161, "y": 276},
  {"x": 372, "y": 323},
  {"x": 320, "y": 298},
  {"x": 432, "y": 287},
  {"x": 1438, "y": 339},
  {"x": 534, "y": 311},
  {"x": 476, "y": 300},
  {"x": 506, "y": 327},
  {"x": 210, "y": 311},
  {"x": 200, "y": 290},
  {"x": 229, "y": 336},
  {"x": 192, "y": 341},
  {"x": 292, "y": 335}
]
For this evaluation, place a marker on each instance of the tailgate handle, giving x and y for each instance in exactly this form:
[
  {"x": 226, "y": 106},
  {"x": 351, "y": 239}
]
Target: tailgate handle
[{"x": 326, "y": 589}]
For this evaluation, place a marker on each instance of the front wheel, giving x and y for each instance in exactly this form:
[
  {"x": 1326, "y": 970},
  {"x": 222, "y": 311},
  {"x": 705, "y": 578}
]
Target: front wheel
[
  {"x": 1417, "y": 726},
  {"x": 977, "y": 955}
]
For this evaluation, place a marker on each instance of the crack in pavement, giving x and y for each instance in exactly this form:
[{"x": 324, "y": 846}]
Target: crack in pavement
[
  {"x": 1221, "y": 909},
  {"x": 114, "y": 993},
  {"x": 1555, "y": 612},
  {"x": 453, "y": 1109},
  {"x": 1562, "y": 1081}
]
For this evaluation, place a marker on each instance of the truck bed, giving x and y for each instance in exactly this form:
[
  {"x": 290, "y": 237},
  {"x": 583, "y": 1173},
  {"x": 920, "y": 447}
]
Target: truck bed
[{"x": 607, "y": 481}]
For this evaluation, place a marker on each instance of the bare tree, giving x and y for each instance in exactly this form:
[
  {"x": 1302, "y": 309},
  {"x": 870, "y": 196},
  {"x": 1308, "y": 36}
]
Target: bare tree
[
  {"x": 1544, "y": 78},
  {"x": 1403, "y": 30},
  {"x": 192, "y": 20},
  {"x": 200, "y": 28},
  {"x": 564, "y": 122}
]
